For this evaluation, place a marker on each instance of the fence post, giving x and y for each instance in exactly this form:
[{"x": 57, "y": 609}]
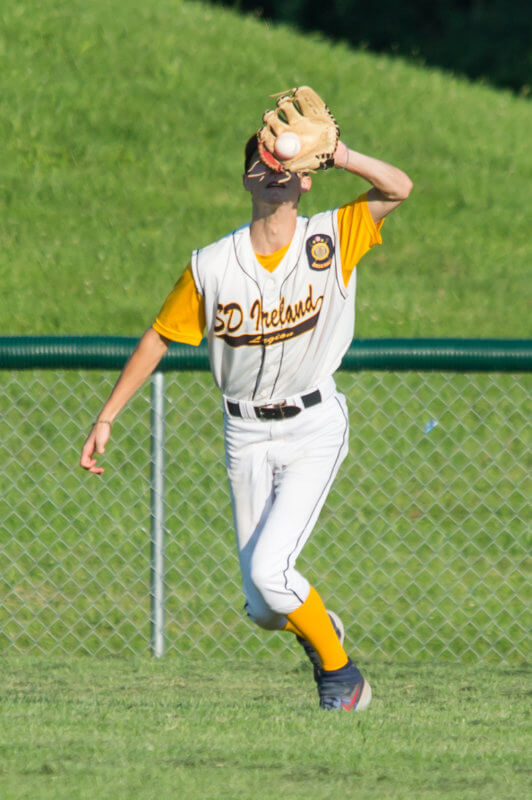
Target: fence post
[{"x": 157, "y": 514}]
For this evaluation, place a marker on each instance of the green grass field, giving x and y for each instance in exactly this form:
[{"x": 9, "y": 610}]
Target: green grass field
[
  {"x": 114, "y": 165},
  {"x": 117, "y": 729}
]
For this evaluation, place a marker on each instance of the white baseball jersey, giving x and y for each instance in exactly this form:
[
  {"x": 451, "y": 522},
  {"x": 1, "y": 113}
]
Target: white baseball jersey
[
  {"x": 276, "y": 334},
  {"x": 277, "y": 329}
]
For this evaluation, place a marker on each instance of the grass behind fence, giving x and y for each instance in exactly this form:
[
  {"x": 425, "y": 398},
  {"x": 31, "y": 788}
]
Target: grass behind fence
[{"x": 423, "y": 542}]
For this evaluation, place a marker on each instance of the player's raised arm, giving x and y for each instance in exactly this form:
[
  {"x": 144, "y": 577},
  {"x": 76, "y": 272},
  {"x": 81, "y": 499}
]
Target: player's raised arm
[
  {"x": 301, "y": 135},
  {"x": 147, "y": 354},
  {"x": 390, "y": 184}
]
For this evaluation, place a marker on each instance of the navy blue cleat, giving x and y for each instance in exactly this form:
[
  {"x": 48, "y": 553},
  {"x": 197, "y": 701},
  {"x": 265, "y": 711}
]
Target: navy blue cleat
[
  {"x": 311, "y": 653},
  {"x": 343, "y": 689}
]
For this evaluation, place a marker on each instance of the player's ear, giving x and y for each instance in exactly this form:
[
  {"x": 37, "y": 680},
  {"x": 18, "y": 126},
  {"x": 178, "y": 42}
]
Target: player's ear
[{"x": 305, "y": 183}]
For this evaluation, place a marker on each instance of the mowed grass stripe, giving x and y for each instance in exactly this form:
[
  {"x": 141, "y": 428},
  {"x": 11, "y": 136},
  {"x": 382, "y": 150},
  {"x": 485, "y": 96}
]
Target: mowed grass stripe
[{"x": 135, "y": 728}]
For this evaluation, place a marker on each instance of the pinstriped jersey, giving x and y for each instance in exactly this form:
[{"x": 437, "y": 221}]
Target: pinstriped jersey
[{"x": 276, "y": 333}]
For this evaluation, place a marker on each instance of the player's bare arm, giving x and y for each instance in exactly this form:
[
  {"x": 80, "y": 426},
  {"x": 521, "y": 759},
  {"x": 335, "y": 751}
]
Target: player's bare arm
[
  {"x": 144, "y": 359},
  {"x": 390, "y": 185}
]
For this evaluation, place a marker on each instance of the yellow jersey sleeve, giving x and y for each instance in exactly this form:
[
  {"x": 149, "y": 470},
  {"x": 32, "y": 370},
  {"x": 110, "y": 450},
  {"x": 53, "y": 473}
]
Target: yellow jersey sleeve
[
  {"x": 182, "y": 317},
  {"x": 358, "y": 233}
]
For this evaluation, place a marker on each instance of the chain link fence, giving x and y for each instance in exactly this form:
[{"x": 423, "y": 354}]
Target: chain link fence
[{"x": 423, "y": 545}]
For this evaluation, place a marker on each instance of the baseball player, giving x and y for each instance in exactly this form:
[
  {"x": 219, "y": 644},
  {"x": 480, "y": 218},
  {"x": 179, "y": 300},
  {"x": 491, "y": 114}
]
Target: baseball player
[{"x": 276, "y": 300}]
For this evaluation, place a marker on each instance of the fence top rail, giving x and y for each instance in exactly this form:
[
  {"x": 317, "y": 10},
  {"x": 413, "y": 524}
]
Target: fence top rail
[{"x": 391, "y": 355}]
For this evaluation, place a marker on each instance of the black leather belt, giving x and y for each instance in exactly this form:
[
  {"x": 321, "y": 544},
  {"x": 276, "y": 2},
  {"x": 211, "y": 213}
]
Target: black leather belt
[{"x": 277, "y": 410}]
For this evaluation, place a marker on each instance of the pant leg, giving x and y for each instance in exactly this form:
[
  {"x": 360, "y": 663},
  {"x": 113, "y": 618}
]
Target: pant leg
[
  {"x": 280, "y": 475},
  {"x": 251, "y": 484}
]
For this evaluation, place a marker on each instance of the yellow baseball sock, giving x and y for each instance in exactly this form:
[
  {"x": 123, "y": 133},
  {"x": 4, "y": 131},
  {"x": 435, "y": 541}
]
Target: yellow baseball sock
[{"x": 311, "y": 622}]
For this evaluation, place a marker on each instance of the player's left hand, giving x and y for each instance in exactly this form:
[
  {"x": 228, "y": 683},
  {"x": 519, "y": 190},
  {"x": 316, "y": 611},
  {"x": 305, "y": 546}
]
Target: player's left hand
[{"x": 95, "y": 443}]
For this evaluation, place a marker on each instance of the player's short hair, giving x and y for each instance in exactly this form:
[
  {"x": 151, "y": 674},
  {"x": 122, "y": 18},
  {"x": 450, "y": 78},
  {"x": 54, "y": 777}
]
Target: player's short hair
[{"x": 250, "y": 151}]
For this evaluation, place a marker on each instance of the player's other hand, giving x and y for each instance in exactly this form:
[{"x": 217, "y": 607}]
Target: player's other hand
[{"x": 95, "y": 443}]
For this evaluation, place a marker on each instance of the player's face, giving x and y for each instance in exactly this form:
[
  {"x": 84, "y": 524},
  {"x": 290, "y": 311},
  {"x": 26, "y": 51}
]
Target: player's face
[{"x": 274, "y": 188}]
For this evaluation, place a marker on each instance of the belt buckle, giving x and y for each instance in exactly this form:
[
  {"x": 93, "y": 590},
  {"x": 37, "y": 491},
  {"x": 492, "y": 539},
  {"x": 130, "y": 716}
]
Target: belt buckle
[
  {"x": 277, "y": 411},
  {"x": 270, "y": 411}
]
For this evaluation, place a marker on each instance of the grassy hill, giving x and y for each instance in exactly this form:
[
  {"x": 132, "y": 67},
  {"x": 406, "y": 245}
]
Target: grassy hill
[{"x": 122, "y": 128}]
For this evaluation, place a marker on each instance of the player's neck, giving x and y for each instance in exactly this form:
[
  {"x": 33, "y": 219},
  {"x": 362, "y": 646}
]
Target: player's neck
[{"x": 271, "y": 231}]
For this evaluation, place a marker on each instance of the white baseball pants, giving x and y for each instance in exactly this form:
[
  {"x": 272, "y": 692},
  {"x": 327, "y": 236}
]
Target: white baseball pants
[{"x": 280, "y": 473}]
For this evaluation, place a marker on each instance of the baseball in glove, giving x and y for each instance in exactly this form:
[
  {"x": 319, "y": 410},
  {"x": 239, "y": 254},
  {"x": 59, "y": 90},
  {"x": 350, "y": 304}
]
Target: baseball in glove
[{"x": 301, "y": 112}]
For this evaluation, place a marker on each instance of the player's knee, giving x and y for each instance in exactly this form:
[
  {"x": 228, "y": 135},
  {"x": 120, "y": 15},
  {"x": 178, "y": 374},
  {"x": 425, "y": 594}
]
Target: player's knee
[
  {"x": 263, "y": 616},
  {"x": 265, "y": 579}
]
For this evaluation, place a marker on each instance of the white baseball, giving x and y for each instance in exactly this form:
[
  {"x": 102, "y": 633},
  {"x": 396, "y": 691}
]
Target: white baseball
[{"x": 287, "y": 145}]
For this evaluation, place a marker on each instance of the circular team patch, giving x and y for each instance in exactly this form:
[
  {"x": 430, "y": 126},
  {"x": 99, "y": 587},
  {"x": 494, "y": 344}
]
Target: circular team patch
[{"x": 320, "y": 251}]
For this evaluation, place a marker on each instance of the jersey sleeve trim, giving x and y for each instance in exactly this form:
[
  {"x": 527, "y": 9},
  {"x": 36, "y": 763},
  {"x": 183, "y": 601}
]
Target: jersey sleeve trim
[{"x": 183, "y": 338}]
